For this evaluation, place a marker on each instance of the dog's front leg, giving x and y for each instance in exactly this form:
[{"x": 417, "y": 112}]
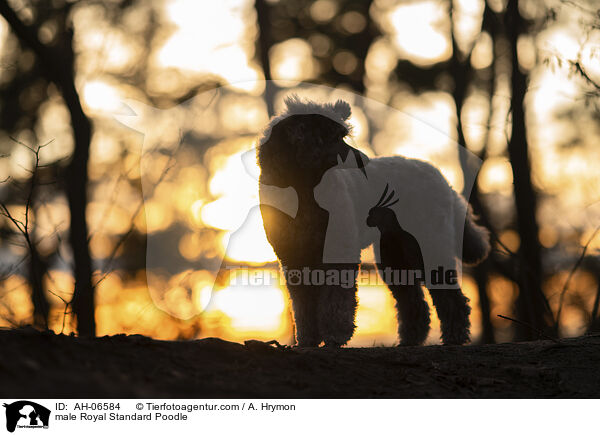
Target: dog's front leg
[
  {"x": 337, "y": 308},
  {"x": 304, "y": 304}
]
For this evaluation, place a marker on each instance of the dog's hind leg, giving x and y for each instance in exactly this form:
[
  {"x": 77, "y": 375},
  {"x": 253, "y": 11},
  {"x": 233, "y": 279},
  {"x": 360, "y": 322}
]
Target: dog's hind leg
[
  {"x": 398, "y": 263},
  {"x": 451, "y": 304},
  {"x": 413, "y": 314},
  {"x": 412, "y": 310},
  {"x": 453, "y": 309}
]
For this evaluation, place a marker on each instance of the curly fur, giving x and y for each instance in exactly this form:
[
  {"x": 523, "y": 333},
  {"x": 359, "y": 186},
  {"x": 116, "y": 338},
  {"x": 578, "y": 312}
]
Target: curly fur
[
  {"x": 339, "y": 112},
  {"x": 303, "y": 148}
]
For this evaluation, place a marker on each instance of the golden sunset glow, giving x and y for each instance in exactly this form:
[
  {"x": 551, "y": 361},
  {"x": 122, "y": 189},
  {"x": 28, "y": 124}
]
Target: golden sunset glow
[
  {"x": 420, "y": 21},
  {"x": 496, "y": 176},
  {"x": 101, "y": 96},
  {"x": 235, "y": 211},
  {"x": 226, "y": 56},
  {"x": 293, "y": 60},
  {"x": 194, "y": 192}
]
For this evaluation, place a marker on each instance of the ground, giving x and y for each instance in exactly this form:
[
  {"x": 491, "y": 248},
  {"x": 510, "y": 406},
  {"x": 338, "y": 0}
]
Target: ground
[{"x": 45, "y": 365}]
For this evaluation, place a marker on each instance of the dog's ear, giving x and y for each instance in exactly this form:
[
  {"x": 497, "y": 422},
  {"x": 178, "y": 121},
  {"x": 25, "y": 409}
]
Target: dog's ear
[{"x": 343, "y": 109}]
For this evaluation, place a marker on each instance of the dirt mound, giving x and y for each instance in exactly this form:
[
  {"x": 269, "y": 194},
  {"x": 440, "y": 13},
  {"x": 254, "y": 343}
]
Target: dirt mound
[{"x": 45, "y": 365}]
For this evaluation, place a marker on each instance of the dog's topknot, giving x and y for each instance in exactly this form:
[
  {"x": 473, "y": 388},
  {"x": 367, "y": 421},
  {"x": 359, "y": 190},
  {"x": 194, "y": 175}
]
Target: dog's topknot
[{"x": 339, "y": 112}]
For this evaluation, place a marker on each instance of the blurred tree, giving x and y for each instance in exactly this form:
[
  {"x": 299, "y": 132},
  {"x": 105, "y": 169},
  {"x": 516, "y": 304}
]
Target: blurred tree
[
  {"x": 582, "y": 113},
  {"x": 532, "y": 305},
  {"x": 264, "y": 43},
  {"x": 340, "y": 34},
  {"x": 24, "y": 194},
  {"x": 594, "y": 325},
  {"x": 589, "y": 25},
  {"x": 37, "y": 264},
  {"x": 56, "y": 65},
  {"x": 464, "y": 75},
  {"x": 490, "y": 25},
  {"x": 459, "y": 71},
  {"x": 22, "y": 91}
]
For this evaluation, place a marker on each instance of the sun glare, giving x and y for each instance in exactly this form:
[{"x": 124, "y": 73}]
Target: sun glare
[
  {"x": 292, "y": 60},
  {"x": 100, "y": 96},
  {"x": 226, "y": 55},
  {"x": 551, "y": 89},
  {"x": 419, "y": 32},
  {"x": 251, "y": 307},
  {"x": 249, "y": 243},
  {"x": 235, "y": 210},
  {"x": 428, "y": 127},
  {"x": 496, "y": 176}
]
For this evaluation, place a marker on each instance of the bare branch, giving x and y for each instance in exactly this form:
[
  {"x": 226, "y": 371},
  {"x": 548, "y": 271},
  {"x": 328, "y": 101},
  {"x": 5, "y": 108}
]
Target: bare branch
[
  {"x": 29, "y": 171},
  {"x": 580, "y": 7},
  {"x": 17, "y": 223},
  {"x": 24, "y": 228},
  {"x": 111, "y": 203},
  {"x": 111, "y": 258},
  {"x": 58, "y": 68},
  {"x": 45, "y": 144},
  {"x": 21, "y": 143},
  {"x": 571, "y": 273},
  {"x": 12, "y": 269},
  {"x": 580, "y": 69},
  {"x": 66, "y": 302},
  {"x": 520, "y": 322}
]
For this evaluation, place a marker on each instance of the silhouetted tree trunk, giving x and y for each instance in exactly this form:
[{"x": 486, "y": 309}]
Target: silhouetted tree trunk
[
  {"x": 41, "y": 306},
  {"x": 59, "y": 68},
  {"x": 76, "y": 187},
  {"x": 531, "y": 304},
  {"x": 265, "y": 43},
  {"x": 462, "y": 73},
  {"x": 76, "y": 179},
  {"x": 37, "y": 270},
  {"x": 594, "y": 325},
  {"x": 361, "y": 44}
]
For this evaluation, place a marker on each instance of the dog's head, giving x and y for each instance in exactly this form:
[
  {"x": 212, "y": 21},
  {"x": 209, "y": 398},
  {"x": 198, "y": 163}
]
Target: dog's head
[{"x": 301, "y": 147}]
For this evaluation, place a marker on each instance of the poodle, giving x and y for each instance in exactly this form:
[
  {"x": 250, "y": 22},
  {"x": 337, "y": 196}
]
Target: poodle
[{"x": 319, "y": 247}]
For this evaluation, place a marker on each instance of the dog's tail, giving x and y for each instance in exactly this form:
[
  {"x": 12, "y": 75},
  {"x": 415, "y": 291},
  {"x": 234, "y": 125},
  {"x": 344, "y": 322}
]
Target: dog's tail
[{"x": 476, "y": 238}]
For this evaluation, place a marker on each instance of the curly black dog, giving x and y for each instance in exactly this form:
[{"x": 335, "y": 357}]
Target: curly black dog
[{"x": 304, "y": 148}]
